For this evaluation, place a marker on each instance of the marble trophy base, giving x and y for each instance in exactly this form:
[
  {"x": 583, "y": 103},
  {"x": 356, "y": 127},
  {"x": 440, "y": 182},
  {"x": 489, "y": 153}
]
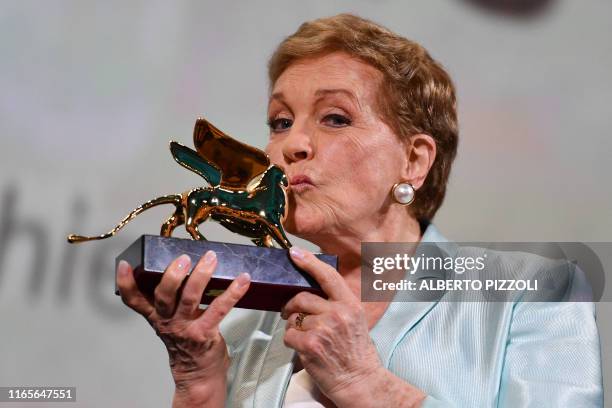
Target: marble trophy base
[{"x": 274, "y": 277}]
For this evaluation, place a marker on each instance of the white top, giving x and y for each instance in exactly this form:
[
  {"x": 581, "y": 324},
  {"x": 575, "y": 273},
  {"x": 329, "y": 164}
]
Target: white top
[{"x": 302, "y": 392}]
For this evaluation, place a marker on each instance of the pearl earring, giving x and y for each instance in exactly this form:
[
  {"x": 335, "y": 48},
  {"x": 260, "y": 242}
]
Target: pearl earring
[{"x": 403, "y": 193}]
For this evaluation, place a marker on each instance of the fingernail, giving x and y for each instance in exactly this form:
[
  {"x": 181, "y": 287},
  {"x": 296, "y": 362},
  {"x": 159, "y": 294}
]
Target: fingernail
[
  {"x": 122, "y": 268},
  {"x": 297, "y": 252},
  {"x": 183, "y": 260},
  {"x": 209, "y": 257},
  {"x": 243, "y": 279}
]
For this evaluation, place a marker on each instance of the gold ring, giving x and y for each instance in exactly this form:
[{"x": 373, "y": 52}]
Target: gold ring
[{"x": 299, "y": 320}]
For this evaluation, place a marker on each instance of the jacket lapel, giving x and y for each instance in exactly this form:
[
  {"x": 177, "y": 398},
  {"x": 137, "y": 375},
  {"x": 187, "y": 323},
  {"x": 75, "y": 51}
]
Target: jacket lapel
[
  {"x": 396, "y": 323},
  {"x": 276, "y": 370},
  {"x": 405, "y": 311}
]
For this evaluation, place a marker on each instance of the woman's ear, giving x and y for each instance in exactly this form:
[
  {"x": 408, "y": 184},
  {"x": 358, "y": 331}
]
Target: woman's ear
[{"x": 421, "y": 153}]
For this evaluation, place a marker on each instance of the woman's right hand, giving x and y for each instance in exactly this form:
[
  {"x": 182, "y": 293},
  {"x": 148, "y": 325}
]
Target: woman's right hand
[{"x": 197, "y": 351}]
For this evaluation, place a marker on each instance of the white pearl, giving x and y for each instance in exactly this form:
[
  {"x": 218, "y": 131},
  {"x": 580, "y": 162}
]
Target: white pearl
[{"x": 403, "y": 193}]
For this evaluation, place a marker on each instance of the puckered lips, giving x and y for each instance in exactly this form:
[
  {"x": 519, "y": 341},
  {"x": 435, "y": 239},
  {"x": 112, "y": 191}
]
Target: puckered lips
[{"x": 300, "y": 183}]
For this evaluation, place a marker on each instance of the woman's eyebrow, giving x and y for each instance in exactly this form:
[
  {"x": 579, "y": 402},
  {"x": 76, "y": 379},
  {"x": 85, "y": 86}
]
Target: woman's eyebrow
[
  {"x": 319, "y": 94},
  {"x": 322, "y": 93},
  {"x": 278, "y": 96}
]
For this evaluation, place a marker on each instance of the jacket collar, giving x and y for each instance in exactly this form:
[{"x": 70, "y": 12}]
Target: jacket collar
[
  {"x": 403, "y": 313},
  {"x": 276, "y": 370}
]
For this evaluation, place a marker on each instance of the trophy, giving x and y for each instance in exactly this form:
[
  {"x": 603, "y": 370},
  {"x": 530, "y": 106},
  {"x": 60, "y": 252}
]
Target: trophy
[{"x": 245, "y": 194}]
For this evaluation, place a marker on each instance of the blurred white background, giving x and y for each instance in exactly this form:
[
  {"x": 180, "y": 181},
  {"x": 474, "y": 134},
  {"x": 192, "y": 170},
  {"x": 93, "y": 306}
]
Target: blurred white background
[{"x": 91, "y": 92}]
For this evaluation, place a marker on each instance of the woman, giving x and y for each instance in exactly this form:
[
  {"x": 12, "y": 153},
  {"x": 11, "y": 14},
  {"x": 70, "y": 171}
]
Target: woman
[{"x": 363, "y": 122}]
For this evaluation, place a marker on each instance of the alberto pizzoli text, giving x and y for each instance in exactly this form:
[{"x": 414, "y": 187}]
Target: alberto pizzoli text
[{"x": 458, "y": 285}]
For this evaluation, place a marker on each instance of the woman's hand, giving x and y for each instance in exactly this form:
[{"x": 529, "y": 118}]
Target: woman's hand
[
  {"x": 197, "y": 351},
  {"x": 334, "y": 344}
]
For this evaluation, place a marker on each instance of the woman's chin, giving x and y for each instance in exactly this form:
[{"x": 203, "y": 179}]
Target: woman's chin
[{"x": 303, "y": 226}]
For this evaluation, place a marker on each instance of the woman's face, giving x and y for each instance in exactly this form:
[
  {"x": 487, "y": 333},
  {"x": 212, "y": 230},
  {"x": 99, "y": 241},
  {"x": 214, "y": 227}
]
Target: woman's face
[{"x": 341, "y": 159}]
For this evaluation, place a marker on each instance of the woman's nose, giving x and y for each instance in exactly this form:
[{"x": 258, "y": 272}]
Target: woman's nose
[{"x": 297, "y": 145}]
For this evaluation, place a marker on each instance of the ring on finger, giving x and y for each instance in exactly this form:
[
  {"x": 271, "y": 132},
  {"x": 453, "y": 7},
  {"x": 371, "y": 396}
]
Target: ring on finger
[{"x": 299, "y": 320}]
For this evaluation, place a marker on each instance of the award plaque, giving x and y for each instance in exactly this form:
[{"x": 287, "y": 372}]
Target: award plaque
[{"x": 247, "y": 195}]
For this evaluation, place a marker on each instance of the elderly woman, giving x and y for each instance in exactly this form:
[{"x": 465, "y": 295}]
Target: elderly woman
[{"x": 364, "y": 124}]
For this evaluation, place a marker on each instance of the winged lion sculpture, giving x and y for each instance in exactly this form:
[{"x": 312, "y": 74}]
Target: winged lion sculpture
[{"x": 245, "y": 193}]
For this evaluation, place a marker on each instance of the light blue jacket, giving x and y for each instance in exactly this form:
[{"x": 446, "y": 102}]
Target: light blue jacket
[{"x": 461, "y": 354}]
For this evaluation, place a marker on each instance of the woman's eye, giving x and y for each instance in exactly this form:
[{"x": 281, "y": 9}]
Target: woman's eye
[
  {"x": 336, "y": 120},
  {"x": 280, "y": 124}
]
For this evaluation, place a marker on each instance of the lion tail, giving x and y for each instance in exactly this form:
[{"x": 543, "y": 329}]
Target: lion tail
[{"x": 167, "y": 199}]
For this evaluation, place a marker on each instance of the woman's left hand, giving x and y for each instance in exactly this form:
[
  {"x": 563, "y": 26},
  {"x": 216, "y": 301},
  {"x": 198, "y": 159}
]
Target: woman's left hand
[{"x": 333, "y": 342}]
